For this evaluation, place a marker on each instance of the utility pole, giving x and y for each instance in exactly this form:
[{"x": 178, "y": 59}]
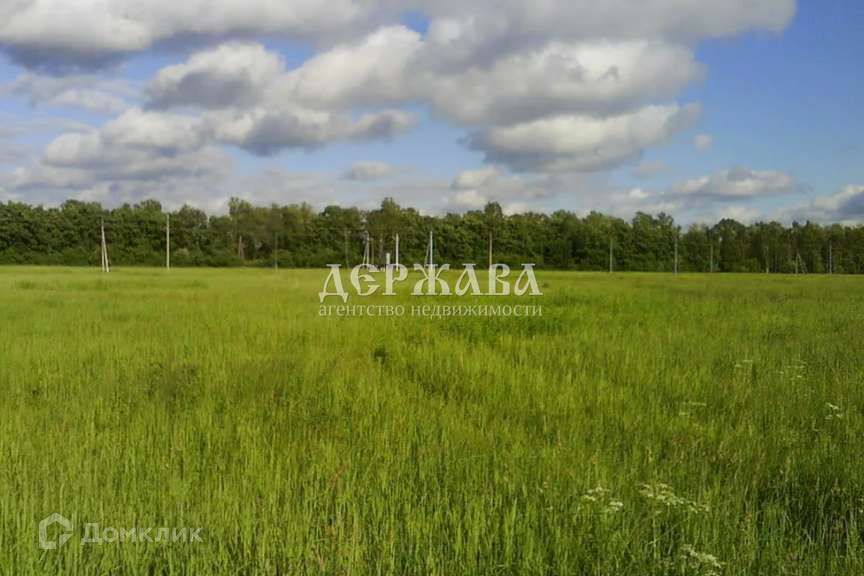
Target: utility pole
[
  {"x": 106, "y": 267},
  {"x": 430, "y": 251},
  {"x": 676, "y": 253},
  {"x": 381, "y": 248},
  {"x": 367, "y": 257},
  {"x": 397, "y": 249},
  {"x": 490, "y": 249},
  {"x": 611, "y": 257},
  {"x": 168, "y": 241},
  {"x": 345, "y": 232},
  {"x": 711, "y": 260}
]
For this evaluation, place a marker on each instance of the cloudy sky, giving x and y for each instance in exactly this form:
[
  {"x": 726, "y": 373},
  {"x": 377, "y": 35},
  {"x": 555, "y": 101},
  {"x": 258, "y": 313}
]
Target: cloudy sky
[{"x": 700, "y": 108}]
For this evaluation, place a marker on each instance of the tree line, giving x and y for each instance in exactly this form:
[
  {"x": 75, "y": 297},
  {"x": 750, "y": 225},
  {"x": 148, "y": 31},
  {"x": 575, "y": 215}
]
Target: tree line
[{"x": 299, "y": 236}]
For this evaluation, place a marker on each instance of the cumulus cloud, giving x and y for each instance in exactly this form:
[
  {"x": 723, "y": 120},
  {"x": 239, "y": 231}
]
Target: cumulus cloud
[
  {"x": 846, "y": 206},
  {"x": 93, "y": 32},
  {"x": 176, "y": 148},
  {"x": 473, "y": 189},
  {"x": 375, "y": 69},
  {"x": 582, "y": 143},
  {"x": 90, "y": 92},
  {"x": 88, "y": 33},
  {"x": 395, "y": 65},
  {"x": 229, "y": 75},
  {"x": 736, "y": 184},
  {"x": 739, "y": 212},
  {"x": 546, "y": 91},
  {"x": 726, "y": 194},
  {"x": 366, "y": 171},
  {"x": 265, "y": 132},
  {"x": 588, "y": 77},
  {"x": 468, "y": 199},
  {"x": 468, "y": 179},
  {"x": 243, "y": 90},
  {"x": 122, "y": 174},
  {"x": 472, "y": 31},
  {"x": 135, "y": 153}
]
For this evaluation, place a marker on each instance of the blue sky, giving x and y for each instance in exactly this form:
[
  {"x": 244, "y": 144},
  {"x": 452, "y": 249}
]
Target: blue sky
[{"x": 703, "y": 109}]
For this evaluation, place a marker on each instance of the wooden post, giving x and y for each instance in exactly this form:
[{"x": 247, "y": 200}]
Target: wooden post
[
  {"x": 106, "y": 265},
  {"x": 168, "y": 242},
  {"x": 611, "y": 257},
  {"x": 346, "y": 248},
  {"x": 676, "y": 253},
  {"x": 397, "y": 249}
]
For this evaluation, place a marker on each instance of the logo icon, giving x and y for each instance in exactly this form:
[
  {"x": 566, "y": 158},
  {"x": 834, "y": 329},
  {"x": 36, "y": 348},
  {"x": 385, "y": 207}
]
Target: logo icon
[{"x": 47, "y": 543}]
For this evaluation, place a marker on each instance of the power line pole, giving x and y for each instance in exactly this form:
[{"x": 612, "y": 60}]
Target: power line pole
[
  {"x": 430, "y": 251},
  {"x": 106, "y": 266},
  {"x": 711, "y": 259},
  {"x": 490, "y": 249},
  {"x": 168, "y": 241},
  {"x": 676, "y": 253},
  {"x": 381, "y": 248},
  {"x": 345, "y": 232},
  {"x": 611, "y": 257},
  {"x": 397, "y": 249}
]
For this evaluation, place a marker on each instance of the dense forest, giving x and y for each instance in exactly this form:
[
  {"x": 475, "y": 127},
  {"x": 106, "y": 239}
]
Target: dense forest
[{"x": 298, "y": 236}]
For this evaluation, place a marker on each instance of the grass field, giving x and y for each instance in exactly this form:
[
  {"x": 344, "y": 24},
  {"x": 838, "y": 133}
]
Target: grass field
[{"x": 645, "y": 425}]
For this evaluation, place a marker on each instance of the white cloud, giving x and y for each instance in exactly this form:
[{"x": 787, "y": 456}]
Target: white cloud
[
  {"x": 475, "y": 178},
  {"x": 473, "y": 189},
  {"x": 468, "y": 199},
  {"x": 725, "y": 194},
  {"x": 233, "y": 74},
  {"x": 583, "y": 143},
  {"x": 90, "y": 92},
  {"x": 376, "y": 69},
  {"x": 51, "y": 33},
  {"x": 516, "y": 208},
  {"x": 265, "y": 132},
  {"x": 738, "y": 212},
  {"x": 736, "y": 184},
  {"x": 598, "y": 77},
  {"x": 845, "y": 206},
  {"x": 547, "y": 91},
  {"x": 395, "y": 65},
  {"x": 88, "y": 32},
  {"x": 477, "y": 29},
  {"x": 365, "y": 171}
]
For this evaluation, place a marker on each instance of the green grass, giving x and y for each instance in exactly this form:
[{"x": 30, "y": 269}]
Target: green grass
[{"x": 717, "y": 415}]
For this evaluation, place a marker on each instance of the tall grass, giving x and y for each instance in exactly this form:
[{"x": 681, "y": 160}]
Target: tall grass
[{"x": 645, "y": 425}]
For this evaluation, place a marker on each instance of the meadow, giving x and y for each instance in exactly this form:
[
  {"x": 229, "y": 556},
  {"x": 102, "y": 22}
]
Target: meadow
[{"x": 645, "y": 424}]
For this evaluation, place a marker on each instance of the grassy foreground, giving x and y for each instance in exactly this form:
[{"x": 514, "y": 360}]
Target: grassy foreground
[{"x": 644, "y": 425}]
